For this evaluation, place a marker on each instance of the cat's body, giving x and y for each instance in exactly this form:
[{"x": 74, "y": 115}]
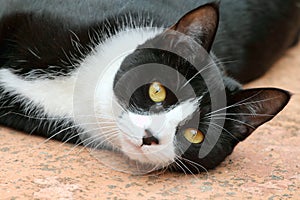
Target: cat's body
[
  {"x": 246, "y": 28},
  {"x": 55, "y": 81}
]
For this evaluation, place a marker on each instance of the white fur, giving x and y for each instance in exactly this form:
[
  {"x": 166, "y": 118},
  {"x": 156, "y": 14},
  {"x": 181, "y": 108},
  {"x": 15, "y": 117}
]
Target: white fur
[
  {"x": 163, "y": 127},
  {"x": 54, "y": 96},
  {"x": 87, "y": 97}
]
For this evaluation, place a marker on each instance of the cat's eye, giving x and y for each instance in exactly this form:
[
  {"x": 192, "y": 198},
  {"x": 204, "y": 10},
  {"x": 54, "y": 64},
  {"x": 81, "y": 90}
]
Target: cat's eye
[
  {"x": 194, "y": 136},
  {"x": 157, "y": 92}
]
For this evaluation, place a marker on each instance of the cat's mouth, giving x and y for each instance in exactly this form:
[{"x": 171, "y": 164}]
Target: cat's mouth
[{"x": 159, "y": 155}]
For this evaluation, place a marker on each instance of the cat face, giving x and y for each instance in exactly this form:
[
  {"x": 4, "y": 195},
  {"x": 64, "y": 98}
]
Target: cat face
[{"x": 166, "y": 116}]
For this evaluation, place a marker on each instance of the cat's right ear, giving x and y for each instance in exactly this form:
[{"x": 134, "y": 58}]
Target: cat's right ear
[
  {"x": 249, "y": 109},
  {"x": 201, "y": 24}
]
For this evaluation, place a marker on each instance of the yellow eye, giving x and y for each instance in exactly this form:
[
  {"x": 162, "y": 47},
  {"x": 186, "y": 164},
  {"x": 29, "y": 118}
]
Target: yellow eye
[
  {"x": 157, "y": 92},
  {"x": 194, "y": 136}
]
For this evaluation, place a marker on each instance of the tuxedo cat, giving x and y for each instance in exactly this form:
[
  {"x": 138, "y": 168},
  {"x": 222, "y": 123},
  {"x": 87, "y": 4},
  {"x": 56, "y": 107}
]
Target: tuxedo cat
[{"x": 154, "y": 80}]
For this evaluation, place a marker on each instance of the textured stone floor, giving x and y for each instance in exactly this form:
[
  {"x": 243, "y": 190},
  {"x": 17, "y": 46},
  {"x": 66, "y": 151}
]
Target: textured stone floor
[{"x": 266, "y": 166}]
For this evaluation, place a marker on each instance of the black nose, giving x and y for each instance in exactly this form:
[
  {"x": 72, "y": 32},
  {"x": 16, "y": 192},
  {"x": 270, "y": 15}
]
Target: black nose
[{"x": 149, "y": 139}]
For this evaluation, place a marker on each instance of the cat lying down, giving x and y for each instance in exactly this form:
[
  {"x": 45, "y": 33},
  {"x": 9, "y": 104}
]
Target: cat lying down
[{"x": 160, "y": 89}]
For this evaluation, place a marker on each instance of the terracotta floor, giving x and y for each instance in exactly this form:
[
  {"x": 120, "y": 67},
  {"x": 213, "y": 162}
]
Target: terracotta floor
[{"x": 266, "y": 166}]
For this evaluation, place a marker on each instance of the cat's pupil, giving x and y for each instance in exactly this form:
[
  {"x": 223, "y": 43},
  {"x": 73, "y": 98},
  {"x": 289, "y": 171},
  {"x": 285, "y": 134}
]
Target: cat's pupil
[
  {"x": 157, "y": 89},
  {"x": 194, "y": 132}
]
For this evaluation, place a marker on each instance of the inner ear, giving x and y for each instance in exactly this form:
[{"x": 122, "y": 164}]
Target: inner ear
[
  {"x": 201, "y": 24},
  {"x": 253, "y": 107}
]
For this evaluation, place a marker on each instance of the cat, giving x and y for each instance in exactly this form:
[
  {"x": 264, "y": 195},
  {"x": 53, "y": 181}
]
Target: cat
[{"x": 158, "y": 81}]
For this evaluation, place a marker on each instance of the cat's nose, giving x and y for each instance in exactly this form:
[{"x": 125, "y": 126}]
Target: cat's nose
[{"x": 149, "y": 139}]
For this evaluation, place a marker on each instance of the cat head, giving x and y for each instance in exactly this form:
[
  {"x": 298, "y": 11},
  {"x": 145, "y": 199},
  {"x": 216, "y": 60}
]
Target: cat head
[{"x": 175, "y": 110}]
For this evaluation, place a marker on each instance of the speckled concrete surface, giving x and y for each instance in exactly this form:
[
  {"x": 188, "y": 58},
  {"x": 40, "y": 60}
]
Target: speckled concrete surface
[{"x": 266, "y": 166}]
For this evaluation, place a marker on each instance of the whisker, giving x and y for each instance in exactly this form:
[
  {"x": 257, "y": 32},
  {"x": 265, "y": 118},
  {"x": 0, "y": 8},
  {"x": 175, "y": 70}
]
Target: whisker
[
  {"x": 190, "y": 172},
  {"x": 65, "y": 129},
  {"x": 180, "y": 158},
  {"x": 199, "y": 72},
  {"x": 178, "y": 165},
  {"x": 113, "y": 133},
  {"x": 235, "y": 120},
  {"x": 222, "y": 128},
  {"x": 95, "y": 136},
  {"x": 190, "y": 161},
  {"x": 163, "y": 169},
  {"x": 79, "y": 134},
  {"x": 107, "y": 140},
  {"x": 49, "y": 118},
  {"x": 194, "y": 163},
  {"x": 86, "y": 145},
  {"x": 238, "y": 114},
  {"x": 241, "y": 103}
]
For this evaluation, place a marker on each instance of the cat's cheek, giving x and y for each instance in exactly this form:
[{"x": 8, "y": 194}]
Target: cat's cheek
[
  {"x": 161, "y": 154},
  {"x": 131, "y": 146}
]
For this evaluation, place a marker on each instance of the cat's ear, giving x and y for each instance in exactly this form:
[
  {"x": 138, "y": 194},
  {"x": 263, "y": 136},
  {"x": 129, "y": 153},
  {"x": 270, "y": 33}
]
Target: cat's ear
[
  {"x": 248, "y": 109},
  {"x": 201, "y": 24}
]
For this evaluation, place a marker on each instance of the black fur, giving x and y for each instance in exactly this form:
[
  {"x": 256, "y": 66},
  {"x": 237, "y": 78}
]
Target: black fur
[
  {"x": 252, "y": 34},
  {"x": 49, "y": 46}
]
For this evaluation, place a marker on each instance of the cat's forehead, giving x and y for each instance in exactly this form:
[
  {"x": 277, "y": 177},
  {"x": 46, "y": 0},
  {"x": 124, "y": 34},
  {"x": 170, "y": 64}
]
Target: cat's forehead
[{"x": 171, "y": 58}]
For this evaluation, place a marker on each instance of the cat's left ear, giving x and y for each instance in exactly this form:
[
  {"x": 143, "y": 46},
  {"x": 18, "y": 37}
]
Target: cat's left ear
[
  {"x": 249, "y": 109},
  {"x": 201, "y": 24}
]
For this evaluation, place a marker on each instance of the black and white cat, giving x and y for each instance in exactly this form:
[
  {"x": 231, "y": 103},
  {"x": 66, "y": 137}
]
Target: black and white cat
[{"x": 136, "y": 77}]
